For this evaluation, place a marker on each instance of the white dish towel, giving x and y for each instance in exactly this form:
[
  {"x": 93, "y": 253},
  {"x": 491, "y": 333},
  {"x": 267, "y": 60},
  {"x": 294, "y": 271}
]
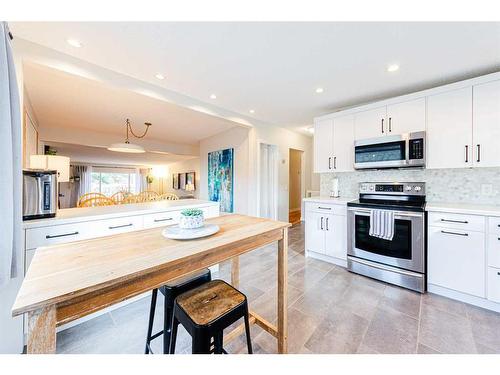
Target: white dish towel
[{"x": 382, "y": 224}]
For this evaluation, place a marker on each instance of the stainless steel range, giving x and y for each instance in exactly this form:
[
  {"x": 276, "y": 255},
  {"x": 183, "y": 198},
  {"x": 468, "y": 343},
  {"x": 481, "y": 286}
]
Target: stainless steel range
[{"x": 400, "y": 258}]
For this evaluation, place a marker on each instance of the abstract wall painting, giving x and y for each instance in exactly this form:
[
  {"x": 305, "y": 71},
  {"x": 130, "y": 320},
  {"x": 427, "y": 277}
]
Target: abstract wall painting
[{"x": 220, "y": 178}]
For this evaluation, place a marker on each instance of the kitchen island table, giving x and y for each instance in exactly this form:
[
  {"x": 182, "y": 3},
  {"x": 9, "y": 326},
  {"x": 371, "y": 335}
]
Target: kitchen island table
[{"x": 68, "y": 281}]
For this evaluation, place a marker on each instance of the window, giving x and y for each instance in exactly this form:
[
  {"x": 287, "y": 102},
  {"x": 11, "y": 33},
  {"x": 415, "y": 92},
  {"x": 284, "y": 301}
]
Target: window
[{"x": 112, "y": 180}]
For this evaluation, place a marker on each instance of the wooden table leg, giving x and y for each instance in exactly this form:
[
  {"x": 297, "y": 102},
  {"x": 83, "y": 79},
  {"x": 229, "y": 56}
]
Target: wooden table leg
[
  {"x": 42, "y": 331},
  {"x": 235, "y": 272},
  {"x": 283, "y": 293}
]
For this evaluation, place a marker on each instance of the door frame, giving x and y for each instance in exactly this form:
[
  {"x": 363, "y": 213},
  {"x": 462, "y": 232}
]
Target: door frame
[
  {"x": 302, "y": 180},
  {"x": 275, "y": 184}
]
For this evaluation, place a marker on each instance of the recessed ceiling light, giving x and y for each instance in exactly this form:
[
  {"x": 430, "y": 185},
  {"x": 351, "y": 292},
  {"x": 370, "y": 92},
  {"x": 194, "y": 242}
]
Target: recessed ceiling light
[
  {"x": 74, "y": 43},
  {"x": 393, "y": 68},
  {"x": 213, "y": 96},
  {"x": 251, "y": 111},
  {"x": 160, "y": 76},
  {"x": 319, "y": 90}
]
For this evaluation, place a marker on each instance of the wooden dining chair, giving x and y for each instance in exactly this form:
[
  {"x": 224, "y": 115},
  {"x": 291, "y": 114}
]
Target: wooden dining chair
[
  {"x": 86, "y": 196},
  {"x": 147, "y": 196},
  {"x": 97, "y": 201},
  {"x": 168, "y": 197},
  {"x": 119, "y": 196},
  {"x": 131, "y": 198}
]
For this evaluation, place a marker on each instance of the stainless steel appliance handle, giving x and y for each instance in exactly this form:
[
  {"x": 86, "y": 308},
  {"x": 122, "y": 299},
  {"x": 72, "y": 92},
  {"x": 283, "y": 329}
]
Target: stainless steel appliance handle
[
  {"x": 466, "y": 153},
  {"x": 48, "y": 236},
  {"x": 160, "y": 220},
  {"x": 385, "y": 268},
  {"x": 455, "y": 233},
  {"x": 121, "y": 226},
  {"x": 396, "y": 213},
  {"x": 382, "y": 126},
  {"x": 455, "y": 221},
  {"x": 478, "y": 153},
  {"x": 321, "y": 222},
  {"x": 327, "y": 224}
]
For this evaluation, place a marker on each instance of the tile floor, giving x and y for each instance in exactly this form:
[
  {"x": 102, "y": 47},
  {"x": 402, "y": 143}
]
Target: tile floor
[{"x": 330, "y": 311}]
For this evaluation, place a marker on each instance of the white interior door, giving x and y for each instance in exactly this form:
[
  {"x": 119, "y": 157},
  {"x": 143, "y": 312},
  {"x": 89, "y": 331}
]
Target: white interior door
[
  {"x": 343, "y": 144},
  {"x": 268, "y": 181},
  {"x": 449, "y": 129},
  {"x": 486, "y": 124},
  {"x": 370, "y": 124},
  {"x": 323, "y": 146},
  {"x": 406, "y": 117}
]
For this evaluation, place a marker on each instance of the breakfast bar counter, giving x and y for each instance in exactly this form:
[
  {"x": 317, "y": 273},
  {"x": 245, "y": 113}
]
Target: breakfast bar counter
[{"x": 68, "y": 281}]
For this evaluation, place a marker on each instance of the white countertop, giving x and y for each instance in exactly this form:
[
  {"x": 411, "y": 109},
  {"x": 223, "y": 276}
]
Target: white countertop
[
  {"x": 74, "y": 215},
  {"x": 464, "y": 208},
  {"x": 326, "y": 199}
]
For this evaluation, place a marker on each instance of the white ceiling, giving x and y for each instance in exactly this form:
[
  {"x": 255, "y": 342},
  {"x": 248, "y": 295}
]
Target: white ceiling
[
  {"x": 62, "y": 100},
  {"x": 101, "y": 156},
  {"x": 274, "y": 68}
]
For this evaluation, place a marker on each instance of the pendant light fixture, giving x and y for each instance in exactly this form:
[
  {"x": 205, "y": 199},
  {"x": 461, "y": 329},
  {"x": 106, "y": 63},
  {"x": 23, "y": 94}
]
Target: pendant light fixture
[{"x": 127, "y": 146}]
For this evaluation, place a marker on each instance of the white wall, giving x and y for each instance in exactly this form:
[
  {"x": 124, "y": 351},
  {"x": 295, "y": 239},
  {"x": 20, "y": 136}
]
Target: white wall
[
  {"x": 245, "y": 143},
  {"x": 165, "y": 185}
]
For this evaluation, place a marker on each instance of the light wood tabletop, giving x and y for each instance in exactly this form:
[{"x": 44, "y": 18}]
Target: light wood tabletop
[{"x": 65, "y": 282}]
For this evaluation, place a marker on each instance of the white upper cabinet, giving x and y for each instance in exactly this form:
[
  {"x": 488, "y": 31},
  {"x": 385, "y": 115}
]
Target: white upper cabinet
[
  {"x": 406, "y": 117},
  {"x": 323, "y": 146},
  {"x": 343, "y": 144},
  {"x": 449, "y": 129},
  {"x": 486, "y": 124},
  {"x": 370, "y": 124}
]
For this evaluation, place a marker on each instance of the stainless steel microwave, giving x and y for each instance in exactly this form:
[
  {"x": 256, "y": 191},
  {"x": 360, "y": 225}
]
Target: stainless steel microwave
[
  {"x": 394, "y": 151},
  {"x": 39, "y": 194}
]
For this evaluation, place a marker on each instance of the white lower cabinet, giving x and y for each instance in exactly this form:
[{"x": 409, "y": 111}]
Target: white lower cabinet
[
  {"x": 326, "y": 231},
  {"x": 456, "y": 260},
  {"x": 494, "y": 284}
]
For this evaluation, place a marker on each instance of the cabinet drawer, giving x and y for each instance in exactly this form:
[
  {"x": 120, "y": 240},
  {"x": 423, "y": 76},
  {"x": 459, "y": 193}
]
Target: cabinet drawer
[
  {"x": 494, "y": 225},
  {"x": 115, "y": 226},
  {"x": 47, "y": 236},
  {"x": 456, "y": 260},
  {"x": 457, "y": 221},
  {"x": 325, "y": 208},
  {"x": 494, "y": 284},
  {"x": 494, "y": 250},
  {"x": 161, "y": 219}
]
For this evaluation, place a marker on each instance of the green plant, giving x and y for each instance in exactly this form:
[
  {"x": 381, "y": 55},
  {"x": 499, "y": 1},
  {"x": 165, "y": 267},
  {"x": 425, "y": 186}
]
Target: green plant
[{"x": 192, "y": 212}]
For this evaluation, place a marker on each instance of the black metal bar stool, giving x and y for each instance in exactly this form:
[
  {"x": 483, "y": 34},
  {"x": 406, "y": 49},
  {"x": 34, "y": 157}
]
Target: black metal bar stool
[
  {"x": 171, "y": 290},
  {"x": 205, "y": 312}
]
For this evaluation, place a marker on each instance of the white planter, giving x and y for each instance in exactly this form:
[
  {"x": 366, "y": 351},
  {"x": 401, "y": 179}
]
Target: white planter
[{"x": 191, "y": 222}]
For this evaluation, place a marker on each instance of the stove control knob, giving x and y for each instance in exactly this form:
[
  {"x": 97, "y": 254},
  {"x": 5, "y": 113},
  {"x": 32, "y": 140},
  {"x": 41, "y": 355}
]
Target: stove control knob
[
  {"x": 372, "y": 187},
  {"x": 418, "y": 188},
  {"x": 408, "y": 188}
]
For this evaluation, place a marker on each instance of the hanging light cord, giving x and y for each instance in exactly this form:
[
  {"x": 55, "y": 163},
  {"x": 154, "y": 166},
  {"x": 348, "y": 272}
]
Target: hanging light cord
[{"x": 129, "y": 127}]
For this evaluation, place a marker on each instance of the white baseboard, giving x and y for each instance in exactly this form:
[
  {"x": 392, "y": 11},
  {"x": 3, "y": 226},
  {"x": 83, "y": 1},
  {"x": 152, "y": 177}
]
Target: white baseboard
[
  {"x": 326, "y": 258},
  {"x": 463, "y": 297}
]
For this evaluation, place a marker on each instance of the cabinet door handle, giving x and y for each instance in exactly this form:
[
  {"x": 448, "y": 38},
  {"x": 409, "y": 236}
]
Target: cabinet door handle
[
  {"x": 324, "y": 208},
  {"x": 455, "y": 221},
  {"x": 321, "y": 222},
  {"x": 330, "y": 162},
  {"x": 455, "y": 233},
  {"x": 327, "y": 224},
  {"x": 48, "y": 236},
  {"x": 121, "y": 226},
  {"x": 382, "y": 125},
  {"x": 478, "y": 153},
  {"x": 466, "y": 153},
  {"x": 334, "y": 162},
  {"x": 160, "y": 220},
  {"x": 390, "y": 128}
]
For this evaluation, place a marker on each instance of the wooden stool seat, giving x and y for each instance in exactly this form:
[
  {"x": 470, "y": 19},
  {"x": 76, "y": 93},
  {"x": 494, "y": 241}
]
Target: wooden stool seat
[
  {"x": 210, "y": 301},
  {"x": 205, "y": 312}
]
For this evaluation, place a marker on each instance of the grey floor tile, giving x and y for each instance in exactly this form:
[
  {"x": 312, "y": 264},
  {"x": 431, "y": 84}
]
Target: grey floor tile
[
  {"x": 402, "y": 300},
  {"x": 445, "y": 332},
  {"x": 422, "y": 349},
  {"x": 444, "y": 304}
]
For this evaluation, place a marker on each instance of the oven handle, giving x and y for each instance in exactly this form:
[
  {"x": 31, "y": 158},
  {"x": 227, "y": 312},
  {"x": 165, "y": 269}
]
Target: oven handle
[{"x": 396, "y": 213}]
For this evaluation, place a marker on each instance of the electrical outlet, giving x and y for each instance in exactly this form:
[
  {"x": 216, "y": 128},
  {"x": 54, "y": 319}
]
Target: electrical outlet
[{"x": 487, "y": 189}]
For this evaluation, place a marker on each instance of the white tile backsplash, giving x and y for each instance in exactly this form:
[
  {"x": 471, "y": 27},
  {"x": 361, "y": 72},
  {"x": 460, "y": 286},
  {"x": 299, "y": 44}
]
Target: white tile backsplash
[{"x": 464, "y": 185}]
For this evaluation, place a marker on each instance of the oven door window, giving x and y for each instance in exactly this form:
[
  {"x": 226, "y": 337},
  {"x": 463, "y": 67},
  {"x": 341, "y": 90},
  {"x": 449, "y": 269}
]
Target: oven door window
[
  {"x": 399, "y": 247},
  {"x": 390, "y": 151}
]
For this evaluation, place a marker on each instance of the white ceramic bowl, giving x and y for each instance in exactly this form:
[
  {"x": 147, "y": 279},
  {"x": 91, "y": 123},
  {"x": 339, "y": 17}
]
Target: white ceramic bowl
[{"x": 191, "y": 222}]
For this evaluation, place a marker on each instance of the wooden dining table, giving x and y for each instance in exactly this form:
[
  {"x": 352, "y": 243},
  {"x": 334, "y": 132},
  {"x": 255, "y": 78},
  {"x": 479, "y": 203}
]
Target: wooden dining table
[{"x": 69, "y": 281}]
